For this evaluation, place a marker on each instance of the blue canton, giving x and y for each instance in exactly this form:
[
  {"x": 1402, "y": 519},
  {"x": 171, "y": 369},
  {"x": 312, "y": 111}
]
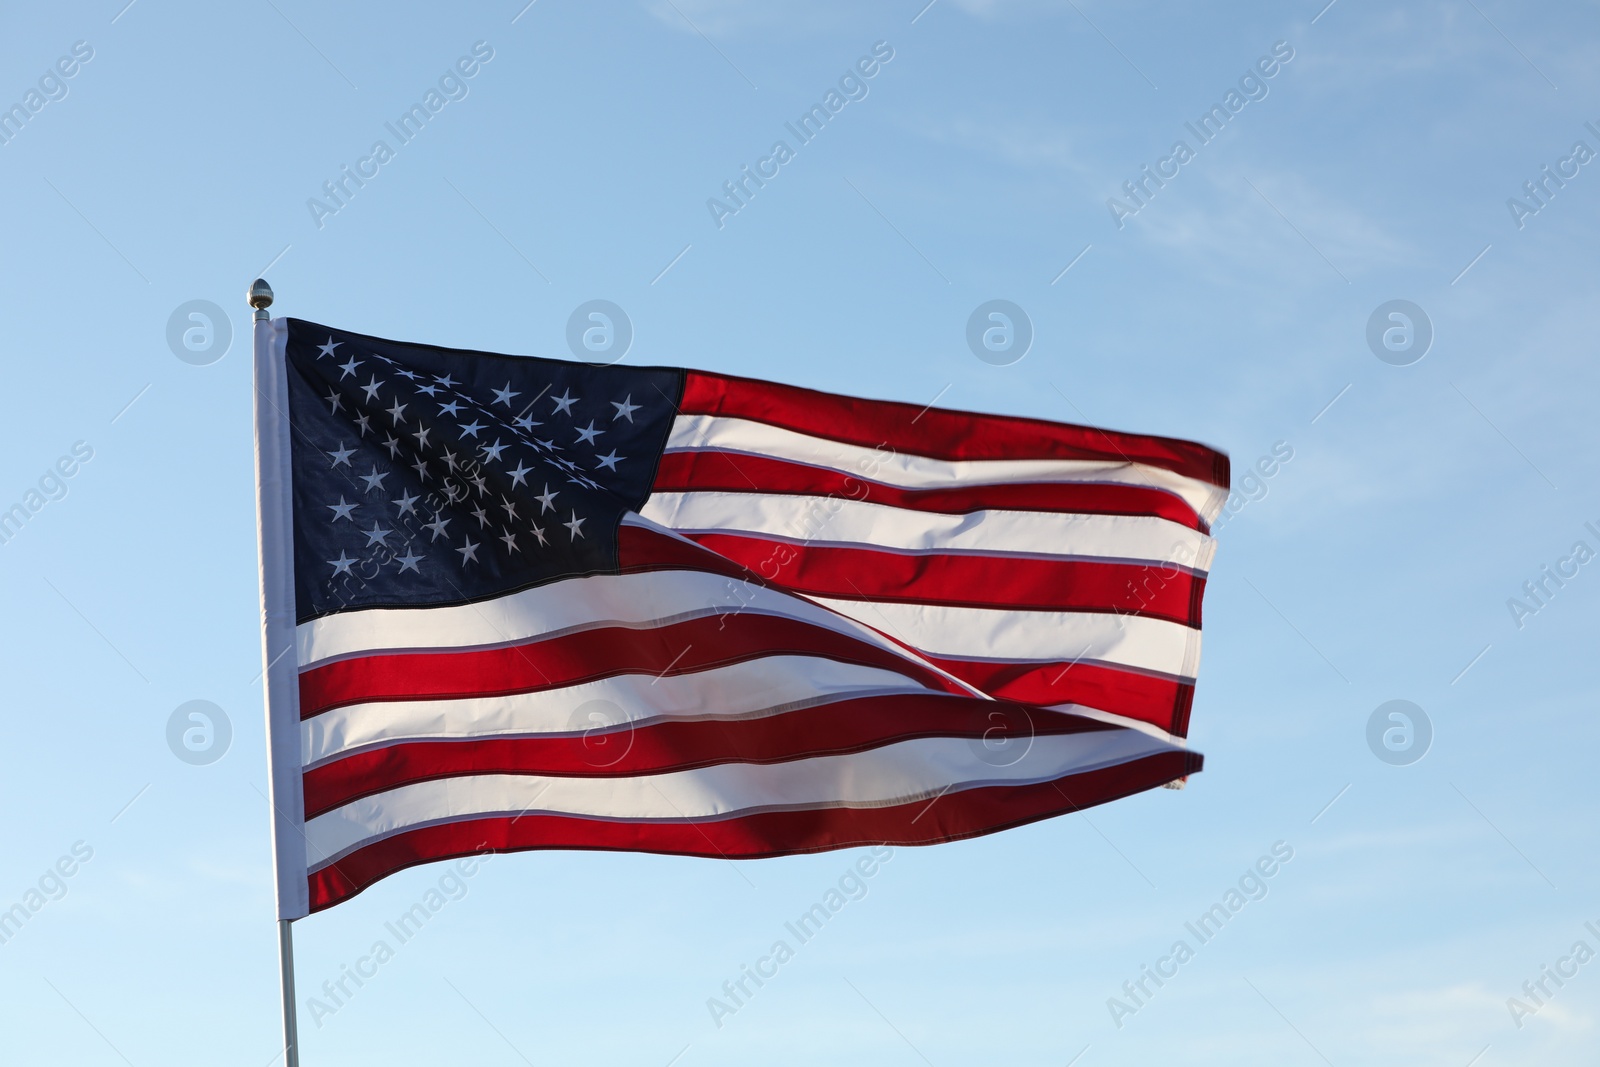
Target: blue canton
[{"x": 427, "y": 476}]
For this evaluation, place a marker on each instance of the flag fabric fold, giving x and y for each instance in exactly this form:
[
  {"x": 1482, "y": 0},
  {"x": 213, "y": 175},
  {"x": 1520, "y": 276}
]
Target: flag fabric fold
[{"x": 516, "y": 603}]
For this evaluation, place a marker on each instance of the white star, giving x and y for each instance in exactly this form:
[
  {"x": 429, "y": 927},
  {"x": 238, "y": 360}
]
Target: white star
[
  {"x": 365, "y": 422},
  {"x": 327, "y": 349},
  {"x": 371, "y": 388},
  {"x": 564, "y": 402},
  {"x": 437, "y": 526},
  {"x": 341, "y": 510},
  {"x": 481, "y": 515},
  {"x": 446, "y": 381},
  {"x": 546, "y": 502},
  {"x": 519, "y": 474},
  {"x": 548, "y": 446},
  {"x": 468, "y": 550},
  {"x": 509, "y": 508},
  {"x": 421, "y": 467},
  {"x": 341, "y": 565},
  {"x": 492, "y": 452},
  {"x": 574, "y": 526},
  {"x": 503, "y": 396},
  {"x": 429, "y": 390},
  {"x": 478, "y": 483},
  {"x": 422, "y": 437},
  {"x": 375, "y": 536},
  {"x": 453, "y": 491},
  {"x": 349, "y": 368},
  {"x": 609, "y": 460},
  {"x": 449, "y": 409},
  {"x": 409, "y": 376},
  {"x": 374, "y": 480},
  {"x": 335, "y": 399},
  {"x": 625, "y": 409},
  {"x": 409, "y": 562},
  {"x": 449, "y": 459},
  {"x": 539, "y": 533},
  {"x": 342, "y": 457},
  {"x": 511, "y": 542},
  {"x": 526, "y": 422},
  {"x": 472, "y": 427},
  {"x": 406, "y": 504},
  {"x": 587, "y": 434},
  {"x": 396, "y": 412},
  {"x": 393, "y": 445}
]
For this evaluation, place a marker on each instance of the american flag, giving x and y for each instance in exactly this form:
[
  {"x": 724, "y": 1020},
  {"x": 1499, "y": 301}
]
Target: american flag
[{"x": 517, "y": 603}]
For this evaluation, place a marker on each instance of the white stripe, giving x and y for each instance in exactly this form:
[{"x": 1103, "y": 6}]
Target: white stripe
[
  {"x": 644, "y": 599},
  {"x": 894, "y": 774},
  {"x": 835, "y": 520},
  {"x": 752, "y": 689},
  {"x": 1120, "y": 720},
  {"x": 1135, "y": 641},
  {"x": 702, "y": 432}
]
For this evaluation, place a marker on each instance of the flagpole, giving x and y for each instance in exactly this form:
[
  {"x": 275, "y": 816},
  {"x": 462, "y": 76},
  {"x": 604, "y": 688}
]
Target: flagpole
[
  {"x": 260, "y": 298},
  {"x": 291, "y": 1035}
]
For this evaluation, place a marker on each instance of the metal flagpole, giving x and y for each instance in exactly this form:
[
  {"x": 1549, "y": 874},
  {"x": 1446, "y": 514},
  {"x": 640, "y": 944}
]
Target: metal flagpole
[
  {"x": 291, "y": 1036},
  {"x": 260, "y": 298}
]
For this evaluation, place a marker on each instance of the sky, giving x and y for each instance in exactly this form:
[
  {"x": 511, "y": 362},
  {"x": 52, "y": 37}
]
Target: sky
[{"x": 1426, "y": 471}]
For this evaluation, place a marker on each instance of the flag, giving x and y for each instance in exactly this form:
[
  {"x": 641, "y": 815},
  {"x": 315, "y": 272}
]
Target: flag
[{"x": 517, "y": 603}]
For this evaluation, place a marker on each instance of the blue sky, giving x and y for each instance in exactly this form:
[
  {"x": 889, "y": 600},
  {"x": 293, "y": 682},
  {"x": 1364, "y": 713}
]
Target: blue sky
[{"x": 1376, "y": 564}]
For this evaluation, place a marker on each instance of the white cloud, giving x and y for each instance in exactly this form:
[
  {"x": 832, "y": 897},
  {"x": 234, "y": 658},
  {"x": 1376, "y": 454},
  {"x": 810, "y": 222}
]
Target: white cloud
[
  {"x": 1026, "y": 143},
  {"x": 1286, "y": 224}
]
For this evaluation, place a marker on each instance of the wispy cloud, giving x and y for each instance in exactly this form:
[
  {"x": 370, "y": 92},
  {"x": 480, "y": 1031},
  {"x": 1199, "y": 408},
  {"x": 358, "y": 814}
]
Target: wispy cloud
[
  {"x": 1024, "y": 143},
  {"x": 1211, "y": 212}
]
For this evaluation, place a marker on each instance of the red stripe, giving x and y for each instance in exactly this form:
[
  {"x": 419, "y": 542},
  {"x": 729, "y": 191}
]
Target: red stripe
[
  {"x": 957, "y": 815},
  {"x": 936, "y": 432},
  {"x": 677, "y": 648},
  {"x": 1162, "y": 702},
  {"x": 1152, "y": 699},
  {"x": 726, "y": 472},
  {"x": 640, "y": 548},
  {"x": 967, "y": 580},
  {"x": 843, "y": 726}
]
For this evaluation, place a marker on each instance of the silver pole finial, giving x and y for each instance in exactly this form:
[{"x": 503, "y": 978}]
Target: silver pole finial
[{"x": 260, "y": 299}]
